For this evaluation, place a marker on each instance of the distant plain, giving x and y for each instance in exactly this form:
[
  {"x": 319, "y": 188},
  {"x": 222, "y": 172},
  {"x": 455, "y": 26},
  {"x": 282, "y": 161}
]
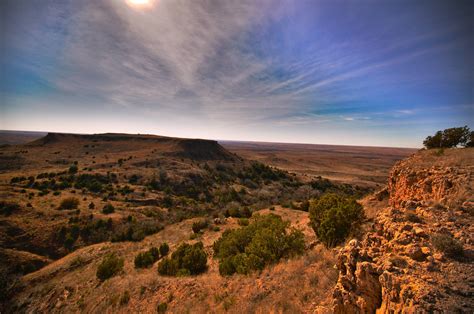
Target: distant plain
[{"x": 362, "y": 165}]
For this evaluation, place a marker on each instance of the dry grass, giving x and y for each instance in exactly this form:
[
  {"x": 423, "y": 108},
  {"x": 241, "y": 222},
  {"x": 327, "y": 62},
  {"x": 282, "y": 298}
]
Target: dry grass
[
  {"x": 69, "y": 284},
  {"x": 292, "y": 286}
]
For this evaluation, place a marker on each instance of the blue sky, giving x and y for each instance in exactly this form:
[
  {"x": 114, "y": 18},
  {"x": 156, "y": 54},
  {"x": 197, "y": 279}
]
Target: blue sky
[{"x": 360, "y": 72}]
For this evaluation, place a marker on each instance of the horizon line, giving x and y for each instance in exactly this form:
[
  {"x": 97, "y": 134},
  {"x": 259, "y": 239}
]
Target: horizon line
[{"x": 218, "y": 140}]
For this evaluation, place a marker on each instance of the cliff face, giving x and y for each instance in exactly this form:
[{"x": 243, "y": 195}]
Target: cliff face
[{"x": 418, "y": 256}]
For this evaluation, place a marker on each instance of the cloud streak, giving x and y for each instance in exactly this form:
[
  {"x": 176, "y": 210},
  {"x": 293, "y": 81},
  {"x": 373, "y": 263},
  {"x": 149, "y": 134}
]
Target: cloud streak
[{"x": 239, "y": 63}]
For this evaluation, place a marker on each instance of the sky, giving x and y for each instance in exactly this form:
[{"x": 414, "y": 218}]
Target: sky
[{"x": 359, "y": 72}]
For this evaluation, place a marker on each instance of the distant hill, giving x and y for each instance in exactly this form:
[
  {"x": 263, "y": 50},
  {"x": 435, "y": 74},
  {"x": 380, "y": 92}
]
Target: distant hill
[
  {"x": 18, "y": 137},
  {"x": 196, "y": 149}
]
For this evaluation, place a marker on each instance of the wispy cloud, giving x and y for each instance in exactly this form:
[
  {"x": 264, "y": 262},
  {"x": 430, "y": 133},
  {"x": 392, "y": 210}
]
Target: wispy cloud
[
  {"x": 406, "y": 111},
  {"x": 241, "y": 63}
]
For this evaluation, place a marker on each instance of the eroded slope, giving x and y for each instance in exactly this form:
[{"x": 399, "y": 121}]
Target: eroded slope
[{"x": 418, "y": 257}]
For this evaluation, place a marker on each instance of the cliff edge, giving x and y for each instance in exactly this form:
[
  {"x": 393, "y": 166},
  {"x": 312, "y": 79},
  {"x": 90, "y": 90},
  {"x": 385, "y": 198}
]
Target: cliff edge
[{"x": 418, "y": 255}]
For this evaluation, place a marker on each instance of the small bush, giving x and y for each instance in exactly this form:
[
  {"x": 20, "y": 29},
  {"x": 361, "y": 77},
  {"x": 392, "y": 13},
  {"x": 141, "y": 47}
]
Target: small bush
[
  {"x": 243, "y": 221},
  {"x": 448, "y": 245},
  {"x": 108, "y": 209},
  {"x": 93, "y": 182},
  {"x": 91, "y": 205},
  {"x": 164, "y": 249},
  {"x": 135, "y": 231},
  {"x": 148, "y": 258},
  {"x": 77, "y": 262},
  {"x": 125, "y": 298},
  {"x": 411, "y": 217},
  {"x": 200, "y": 225},
  {"x": 162, "y": 307},
  {"x": 168, "y": 267},
  {"x": 7, "y": 208},
  {"x": 186, "y": 260},
  {"x": 109, "y": 267},
  {"x": 238, "y": 213},
  {"x": 264, "y": 241},
  {"x": 69, "y": 203},
  {"x": 73, "y": 169},
  {"x": 333, "y": 217}
]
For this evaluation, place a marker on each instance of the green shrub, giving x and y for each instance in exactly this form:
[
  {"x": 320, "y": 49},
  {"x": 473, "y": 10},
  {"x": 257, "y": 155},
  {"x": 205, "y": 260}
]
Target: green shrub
[
  {"x": 186, "y": 260},
  {"x": 243, "y": 221},
  {"x": 108, "y": 209},
  {"x": 93, "y": 182},
  {"x": 146, "y": 259},
  {"x": 333, "y": 217},
  {"x": 164, "y": 249},
  {"x": 183, "y": 272},
  {"x": 168, "y": 267},
  {"x": 264, "y": 241},
  {"x": 125, "y": 298},
  {"x": 7, "y": 208},
  {"x": 199, "y": 225},
  {"x": 69, "y": 203},
  {"x": 135, "y": 231},
  {"x": 448, "y": 245},
  {"x": 69, "y": 241},
  {"x": 238, "y": 213},
  {"x": 109, "y": 267},
  {"x": 73, "y": 169},
  {"x": 162, "y": 307}
]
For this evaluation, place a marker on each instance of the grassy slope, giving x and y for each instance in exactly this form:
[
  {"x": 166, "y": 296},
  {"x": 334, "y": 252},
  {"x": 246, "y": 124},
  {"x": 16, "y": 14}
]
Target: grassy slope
[{"x": 291, "y": 286}]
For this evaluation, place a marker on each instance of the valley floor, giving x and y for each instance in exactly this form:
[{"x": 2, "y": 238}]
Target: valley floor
[{"x": 366, "y": 166}]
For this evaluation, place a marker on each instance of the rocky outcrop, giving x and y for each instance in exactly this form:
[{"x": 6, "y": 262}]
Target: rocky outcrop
[
  {"x": 202, "y": 150},
  {"x": 398, "y": 267}
]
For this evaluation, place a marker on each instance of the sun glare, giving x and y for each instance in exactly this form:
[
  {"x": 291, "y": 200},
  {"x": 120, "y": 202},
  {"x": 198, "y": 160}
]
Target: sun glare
[{"x": 139, "y": 3}]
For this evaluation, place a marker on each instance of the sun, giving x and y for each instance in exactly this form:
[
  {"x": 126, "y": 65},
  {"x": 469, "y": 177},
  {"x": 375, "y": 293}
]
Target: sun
[{"x": 139, "y": 3}]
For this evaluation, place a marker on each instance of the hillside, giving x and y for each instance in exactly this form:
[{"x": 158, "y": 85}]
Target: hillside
[
  {"x": 419, "y": 255},
  {"x": 70, "y": 284},
  {"x": 128, "y": 171},
  {"x": 66, "y": 192},
  {"x": 413, "y": 254}
]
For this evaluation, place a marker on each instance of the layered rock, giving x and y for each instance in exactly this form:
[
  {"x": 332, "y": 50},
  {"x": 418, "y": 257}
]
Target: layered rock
[{"x": 396, "y": 267}]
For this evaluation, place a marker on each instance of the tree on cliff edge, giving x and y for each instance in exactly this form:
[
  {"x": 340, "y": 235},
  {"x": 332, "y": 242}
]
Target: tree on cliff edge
[{"x": 451, "y": 137}]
